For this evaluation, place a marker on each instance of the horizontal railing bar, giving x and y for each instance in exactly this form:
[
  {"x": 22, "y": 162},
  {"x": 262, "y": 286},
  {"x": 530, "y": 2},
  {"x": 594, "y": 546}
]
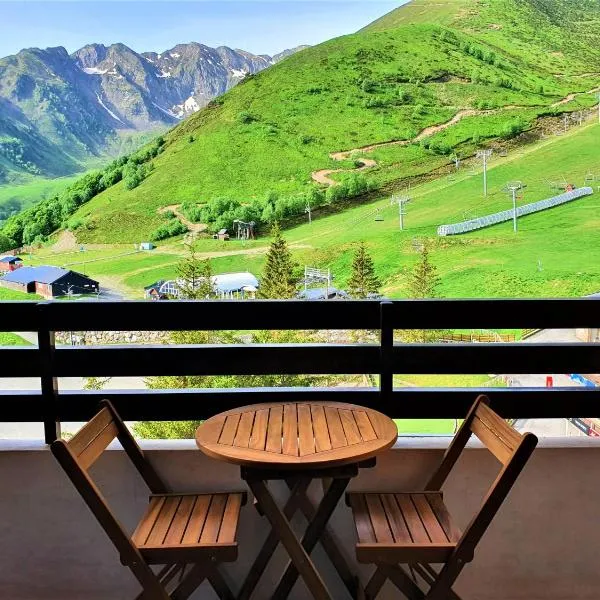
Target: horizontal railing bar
[
  {"x": 20, "y": 316},
  {"x": 213, "y": 315},
  {"x": 19, "y": 361},
  {"x": 221, "y": 359},
  {"x": 467, "y": 359},
  {"x": 292, "y": 314},
  {"x": 486, "y": 313},
  {"x": 405, "y": 403}
]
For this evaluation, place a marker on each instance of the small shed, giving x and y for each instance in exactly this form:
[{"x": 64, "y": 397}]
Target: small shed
[
  {"x": 221, "y": 235},
  {"x": 147, "y": 246},
  {"x": 10, "y": 263},
  {"x": 153, "y": 292}
]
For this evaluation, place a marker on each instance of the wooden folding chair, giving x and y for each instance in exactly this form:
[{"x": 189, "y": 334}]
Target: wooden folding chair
[
  {"x": 188, "y": 534},
  {"x": 416, "y": 529}
]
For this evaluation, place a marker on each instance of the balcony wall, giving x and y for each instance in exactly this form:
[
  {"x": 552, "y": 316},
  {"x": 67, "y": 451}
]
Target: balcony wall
[{"x": 544, "y": 544}]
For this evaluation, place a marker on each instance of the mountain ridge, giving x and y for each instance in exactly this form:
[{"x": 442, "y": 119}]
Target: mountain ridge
[
  {"x": 81, "y": 104},
  {"x": 250, "y": 155}
]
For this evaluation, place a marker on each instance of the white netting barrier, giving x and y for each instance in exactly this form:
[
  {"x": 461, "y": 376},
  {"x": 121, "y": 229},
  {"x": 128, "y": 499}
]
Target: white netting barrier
[{"x": 507, "y": 215}]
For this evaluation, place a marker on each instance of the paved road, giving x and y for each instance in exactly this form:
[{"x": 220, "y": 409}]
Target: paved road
[{"x": 31, "y": 431}]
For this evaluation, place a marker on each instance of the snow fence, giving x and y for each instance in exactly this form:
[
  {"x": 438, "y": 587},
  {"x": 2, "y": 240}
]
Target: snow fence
[{"x": 507, "y": 215}]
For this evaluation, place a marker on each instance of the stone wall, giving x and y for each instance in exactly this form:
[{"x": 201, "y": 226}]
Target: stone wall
[{"x": 101, "y": 338}]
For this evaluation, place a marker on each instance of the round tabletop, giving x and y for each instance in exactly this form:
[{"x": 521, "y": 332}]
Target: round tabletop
[{"x": 296, "y": 435}]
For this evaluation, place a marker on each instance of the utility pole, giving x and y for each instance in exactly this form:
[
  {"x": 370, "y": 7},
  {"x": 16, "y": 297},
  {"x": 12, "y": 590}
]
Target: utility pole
[
  {"x": 485, "y": 155},
  {"x": 401, "y": 201},
  {"x": 513, "y": 188},
  {"x": 308, "y": 210}
]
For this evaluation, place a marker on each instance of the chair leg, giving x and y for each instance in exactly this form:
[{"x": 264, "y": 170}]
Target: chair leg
[
  {"x": 375, "y": 584},
  {"x": 190, "y": 583},
  {"x": 442, "y": 588},
  {"x": 219, "y": 584},
  {"x": 403, "y": 582}
]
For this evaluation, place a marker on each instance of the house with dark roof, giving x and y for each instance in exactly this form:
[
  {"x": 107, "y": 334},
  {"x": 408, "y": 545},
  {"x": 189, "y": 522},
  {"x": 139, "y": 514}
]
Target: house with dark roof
[
  {"x": 49, "y": 282},
  {"x": 10, "y": 263}
]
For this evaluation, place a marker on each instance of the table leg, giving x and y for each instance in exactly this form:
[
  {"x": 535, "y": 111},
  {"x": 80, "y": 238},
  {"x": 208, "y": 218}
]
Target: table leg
[
  {"x": 312, "y": 534},
  {"x": 296, "y": 551},
  {"x": 330, "y": 545},
  {"x": 298, "y": 493}
]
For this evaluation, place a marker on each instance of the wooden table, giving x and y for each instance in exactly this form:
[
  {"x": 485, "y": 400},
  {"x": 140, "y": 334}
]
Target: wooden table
[{"x": 298, "y": 442}]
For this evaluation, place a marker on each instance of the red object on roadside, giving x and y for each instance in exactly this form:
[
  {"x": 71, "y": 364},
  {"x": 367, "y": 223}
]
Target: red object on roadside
[{"x": 549, "y": 381}]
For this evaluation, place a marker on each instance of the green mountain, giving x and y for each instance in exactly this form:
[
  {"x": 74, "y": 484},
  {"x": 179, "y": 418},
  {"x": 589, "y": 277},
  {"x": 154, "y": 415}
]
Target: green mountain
[{"x": 398, "y": 101}]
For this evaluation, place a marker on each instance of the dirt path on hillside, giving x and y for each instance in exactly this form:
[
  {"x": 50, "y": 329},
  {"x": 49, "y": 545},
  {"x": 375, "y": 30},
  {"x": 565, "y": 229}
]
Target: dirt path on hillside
[
  {"x": 322, "y": 176},
  {"x": 193, "y": 227}
]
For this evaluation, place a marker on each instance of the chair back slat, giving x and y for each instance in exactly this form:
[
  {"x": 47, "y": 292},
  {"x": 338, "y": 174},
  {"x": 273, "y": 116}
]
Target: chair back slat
[
  {"x": 495, "y": 433},
  {"x": 93, "y": 438}
]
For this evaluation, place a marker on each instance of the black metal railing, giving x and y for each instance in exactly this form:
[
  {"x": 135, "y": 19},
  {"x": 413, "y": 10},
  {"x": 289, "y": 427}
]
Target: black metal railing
[{"x": 47, "y": 362}]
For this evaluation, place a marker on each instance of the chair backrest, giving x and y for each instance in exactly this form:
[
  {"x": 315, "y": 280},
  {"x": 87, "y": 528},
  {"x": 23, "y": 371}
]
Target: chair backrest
[
  {"x": 511, "y": 448},
  {"x": 78, "y": 454}
]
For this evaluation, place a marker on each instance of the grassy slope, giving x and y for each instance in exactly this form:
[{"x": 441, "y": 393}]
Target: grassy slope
[
  {"x": 492, "y": 262},
  {"x": 314, "y": 103},
  {"x": 10, "y": 295},
  {"x": 11, "y": 339}
]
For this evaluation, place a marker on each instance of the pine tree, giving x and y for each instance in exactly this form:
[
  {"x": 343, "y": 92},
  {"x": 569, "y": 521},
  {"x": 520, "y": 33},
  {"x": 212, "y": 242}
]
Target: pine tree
[
  {"x": 424, "y": 280},
  {"x": 194, "y": 277},
  {"x": 364, "y": 281},
  {"x": 278, "y": 279},
  {"x": 423, "y": 283}
]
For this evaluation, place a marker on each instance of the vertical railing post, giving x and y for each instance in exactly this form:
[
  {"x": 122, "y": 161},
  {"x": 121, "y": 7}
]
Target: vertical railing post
[
  {"x": 386, "y": 381},
  {"x": 49, "y": 381}
]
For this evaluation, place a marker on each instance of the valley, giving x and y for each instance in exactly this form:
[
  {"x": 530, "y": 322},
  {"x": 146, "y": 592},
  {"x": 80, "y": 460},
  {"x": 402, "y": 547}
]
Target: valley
[{"x": 403, "y": 106}]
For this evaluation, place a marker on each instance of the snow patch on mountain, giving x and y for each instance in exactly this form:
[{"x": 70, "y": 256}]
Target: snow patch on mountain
[
  {"x": 94, "y": 71},
  {"x": 110, "y": 112},
  {"x": 164, "y": 74},
  {"x": 241, "y": 73},
  {"x": 167, "y": 112},
  {"x": 175, "y": 54},
  {"x": 190, "y": 105}
]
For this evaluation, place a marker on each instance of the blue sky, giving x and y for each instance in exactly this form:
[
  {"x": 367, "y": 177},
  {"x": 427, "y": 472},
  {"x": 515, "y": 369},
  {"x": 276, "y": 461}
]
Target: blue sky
[{"x": 262, "y": 27}]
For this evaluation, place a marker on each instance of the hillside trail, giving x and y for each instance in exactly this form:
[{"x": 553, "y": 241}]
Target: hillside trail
[
  {"x": 193, "y": 227},
  {"x": 322, "y": 176}
]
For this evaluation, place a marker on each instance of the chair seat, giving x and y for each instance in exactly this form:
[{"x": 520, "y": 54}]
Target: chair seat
[
  {"x": 403, "y": 528},
  {"x": 189, "y": 527}
]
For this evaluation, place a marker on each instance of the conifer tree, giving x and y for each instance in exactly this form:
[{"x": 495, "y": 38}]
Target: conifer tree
[
  {"x": 423, "y": 283},
  {"x": 194, "y": 276},
  {"x": 278, "y": 278},
  {"x": 424, "y": 280},
  {"x": 363, "y": 281}
]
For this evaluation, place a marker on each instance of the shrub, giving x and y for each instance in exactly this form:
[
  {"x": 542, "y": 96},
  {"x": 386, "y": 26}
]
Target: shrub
[
  {"x": 170, "y": 229},
  {"x": 245, "y": 118}
]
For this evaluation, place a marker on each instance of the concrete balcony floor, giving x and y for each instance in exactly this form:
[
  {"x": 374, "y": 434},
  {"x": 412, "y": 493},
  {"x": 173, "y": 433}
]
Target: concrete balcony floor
[{"x": 544, "y": 543}]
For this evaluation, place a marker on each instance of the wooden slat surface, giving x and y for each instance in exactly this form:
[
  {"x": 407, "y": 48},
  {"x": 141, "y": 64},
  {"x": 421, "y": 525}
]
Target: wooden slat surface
[
  {"x": 334, "y": 425},
  {"x": 275, "y": 429},
  {"x": 319, "y": 422},
  {"x": 306, "y": 435},
  {"x": 173, "y": 521},
  {"x": 290, "y": 430},
  {"x": 244, "y": 431},
  {"x": 403, "y": 527},
  {"x": 98, "y": 445},
  {"x": 259, "y": 430},
  {"x": 297, "y": 434},
  {"x": 350, "y": 427},
  {"x": 196, "y": 522}
]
